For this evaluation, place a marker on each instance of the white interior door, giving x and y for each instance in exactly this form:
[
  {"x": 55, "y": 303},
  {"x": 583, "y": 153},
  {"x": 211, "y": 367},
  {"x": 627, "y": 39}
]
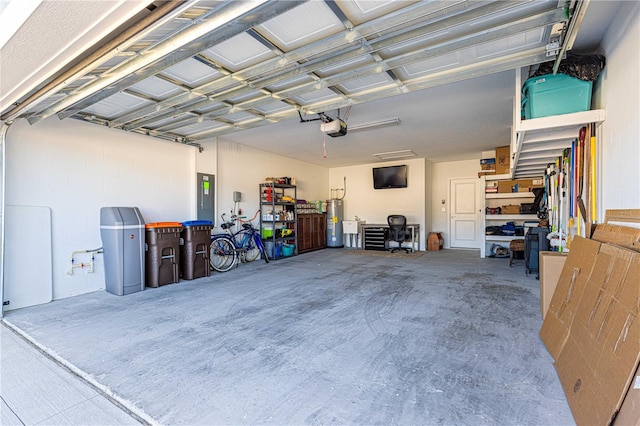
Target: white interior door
[
  {"x": 28, "y": 278},
  {"x": 465, "y": 219}
]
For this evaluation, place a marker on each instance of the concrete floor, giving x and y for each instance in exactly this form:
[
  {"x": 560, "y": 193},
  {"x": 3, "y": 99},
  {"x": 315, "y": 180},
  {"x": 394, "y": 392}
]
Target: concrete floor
[
  {"x": 37, "y": 390},
  {"x": 329, "y": 337}
]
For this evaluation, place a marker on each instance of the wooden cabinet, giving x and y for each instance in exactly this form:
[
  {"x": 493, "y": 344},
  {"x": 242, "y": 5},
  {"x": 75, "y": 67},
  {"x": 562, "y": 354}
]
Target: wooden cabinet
[{"x": 312, "y": 232}]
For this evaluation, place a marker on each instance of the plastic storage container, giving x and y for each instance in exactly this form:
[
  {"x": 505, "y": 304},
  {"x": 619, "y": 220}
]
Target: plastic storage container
[
  {"x": 267, "y": 231},
  {"x": 163, "y": 253},
  {"x": 194, "y": 249},
  {"x": 550, "y": 94},
  {"x": 122, "y": 234},
  {"x": 274, "y": 251},
  {"x": 288, "y": 249}
]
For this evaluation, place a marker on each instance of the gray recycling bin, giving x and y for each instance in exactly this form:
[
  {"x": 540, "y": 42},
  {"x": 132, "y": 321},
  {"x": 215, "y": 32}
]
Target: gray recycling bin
[{"x": 122, "y": 232}]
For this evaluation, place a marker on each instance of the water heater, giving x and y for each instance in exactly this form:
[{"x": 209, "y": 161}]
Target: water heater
[{"x": 335, "y": 215}]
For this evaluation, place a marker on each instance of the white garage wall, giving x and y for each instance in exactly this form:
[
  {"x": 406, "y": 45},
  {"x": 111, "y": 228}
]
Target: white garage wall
[
  {"x": 618, "y": 92},
  {"x": 76, "y": 168},
  {"x": 374, "y": 205},
  {"x": 242, "y": 169}
]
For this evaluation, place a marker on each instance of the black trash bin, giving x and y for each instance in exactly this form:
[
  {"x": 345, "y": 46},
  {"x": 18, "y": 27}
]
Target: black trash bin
[
  {"x": 194, "y": 249},
  {"x": 163, "y": 253}
]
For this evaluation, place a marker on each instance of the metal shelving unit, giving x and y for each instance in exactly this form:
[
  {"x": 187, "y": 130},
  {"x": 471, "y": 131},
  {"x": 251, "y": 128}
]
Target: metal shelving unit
[{"x": 270, "y": 214}]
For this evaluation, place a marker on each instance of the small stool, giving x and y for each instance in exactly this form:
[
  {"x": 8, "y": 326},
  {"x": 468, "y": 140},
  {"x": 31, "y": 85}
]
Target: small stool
[
  {"x": 435, "y": 241},
  {"x": 515, "y": 245}
]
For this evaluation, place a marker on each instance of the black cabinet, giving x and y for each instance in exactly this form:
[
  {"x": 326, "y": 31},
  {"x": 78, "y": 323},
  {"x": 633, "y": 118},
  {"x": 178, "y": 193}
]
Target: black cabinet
[
  {"x": 375, "y": 238},
  {"x": 535, "y": 241}
]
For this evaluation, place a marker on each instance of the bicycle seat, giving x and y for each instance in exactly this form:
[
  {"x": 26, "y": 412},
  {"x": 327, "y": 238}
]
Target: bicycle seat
[
  {"x": 247, "y": 226},
  {"x": 225, "y": 225}
]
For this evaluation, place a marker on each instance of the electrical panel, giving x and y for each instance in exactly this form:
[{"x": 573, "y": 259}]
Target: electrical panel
[{"x": 206, "y": 200}]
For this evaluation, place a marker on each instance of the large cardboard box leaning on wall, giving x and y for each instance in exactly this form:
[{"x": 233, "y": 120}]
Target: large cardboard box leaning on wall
[{"x": 592, "y": 329}]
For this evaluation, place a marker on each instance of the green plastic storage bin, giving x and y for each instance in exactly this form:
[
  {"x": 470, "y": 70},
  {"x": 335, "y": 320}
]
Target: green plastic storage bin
[{"x": 550, "y": 94}]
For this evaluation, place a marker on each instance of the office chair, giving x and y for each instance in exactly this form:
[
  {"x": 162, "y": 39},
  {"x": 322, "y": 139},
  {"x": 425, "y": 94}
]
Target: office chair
[{"x": 398, "y": 227}]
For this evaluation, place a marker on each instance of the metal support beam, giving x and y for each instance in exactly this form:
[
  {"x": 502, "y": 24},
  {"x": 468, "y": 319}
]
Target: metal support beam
[
  {"x": 231, "y": 19},
  {"x": 158, "y": 17},
  {"x": 572, "y": 31}
]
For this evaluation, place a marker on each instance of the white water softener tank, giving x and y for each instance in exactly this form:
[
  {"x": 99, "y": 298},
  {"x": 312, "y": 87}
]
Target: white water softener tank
[
  {"x": 334, "y": 223},
  {"x": 123, "y": 240}
]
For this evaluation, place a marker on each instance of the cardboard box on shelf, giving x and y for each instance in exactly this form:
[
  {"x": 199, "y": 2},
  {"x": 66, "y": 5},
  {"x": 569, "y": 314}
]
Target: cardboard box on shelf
[
  {"x": 511, "y": 209},
  {"x": 487, "y": 167},
  {"x": 506, "y": 186},
  {"x": 488, "y": 164},
  {"x": 591, "y": 329},
  {"x": 551, "y": 263},
  {"x": 518, "y": 185},
  {"x": 503, "y": 160}
]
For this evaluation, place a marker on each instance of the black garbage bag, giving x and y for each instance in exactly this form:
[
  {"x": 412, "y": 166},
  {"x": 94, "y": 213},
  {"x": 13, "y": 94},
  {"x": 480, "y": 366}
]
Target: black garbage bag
[{"x": 586, "y": 67}]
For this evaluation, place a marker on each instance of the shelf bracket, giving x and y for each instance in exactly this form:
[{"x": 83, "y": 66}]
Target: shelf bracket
[{"x": 553, "y": 47}]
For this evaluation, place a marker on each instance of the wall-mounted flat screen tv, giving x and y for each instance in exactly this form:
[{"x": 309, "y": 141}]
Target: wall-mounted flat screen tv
[{"x": 390, "y": 177}]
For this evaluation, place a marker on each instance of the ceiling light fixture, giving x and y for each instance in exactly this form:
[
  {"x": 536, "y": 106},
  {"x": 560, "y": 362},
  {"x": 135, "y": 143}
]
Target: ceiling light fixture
[
  {"x": 392, "y": 155},
  {"x": 374, "y": 124}
]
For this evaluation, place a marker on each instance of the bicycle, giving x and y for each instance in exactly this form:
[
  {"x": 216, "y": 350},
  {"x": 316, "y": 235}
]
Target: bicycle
[
  {"x": 247, "y": 240},
  {"x": 222, "y": 253},
  {"x": 247, "y": 245}
]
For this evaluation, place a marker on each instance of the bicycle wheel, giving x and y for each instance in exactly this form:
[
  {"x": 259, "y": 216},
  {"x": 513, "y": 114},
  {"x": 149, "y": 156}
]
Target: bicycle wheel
[
  {"x": 222, "y": 254},
  {"x": 252, "y": 250}
]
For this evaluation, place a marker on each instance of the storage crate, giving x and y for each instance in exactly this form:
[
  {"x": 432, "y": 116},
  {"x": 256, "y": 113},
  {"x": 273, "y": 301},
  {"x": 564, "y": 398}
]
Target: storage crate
[{"x": 550, "y": 94}]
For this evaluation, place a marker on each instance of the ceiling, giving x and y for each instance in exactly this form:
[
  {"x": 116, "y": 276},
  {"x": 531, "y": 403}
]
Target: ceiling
[{"x": 259, "y": 73}]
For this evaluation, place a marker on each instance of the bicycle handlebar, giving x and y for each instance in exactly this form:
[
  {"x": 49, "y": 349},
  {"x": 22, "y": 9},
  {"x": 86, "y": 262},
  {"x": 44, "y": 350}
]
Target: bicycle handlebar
[{"x": 226, "y": 224}]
